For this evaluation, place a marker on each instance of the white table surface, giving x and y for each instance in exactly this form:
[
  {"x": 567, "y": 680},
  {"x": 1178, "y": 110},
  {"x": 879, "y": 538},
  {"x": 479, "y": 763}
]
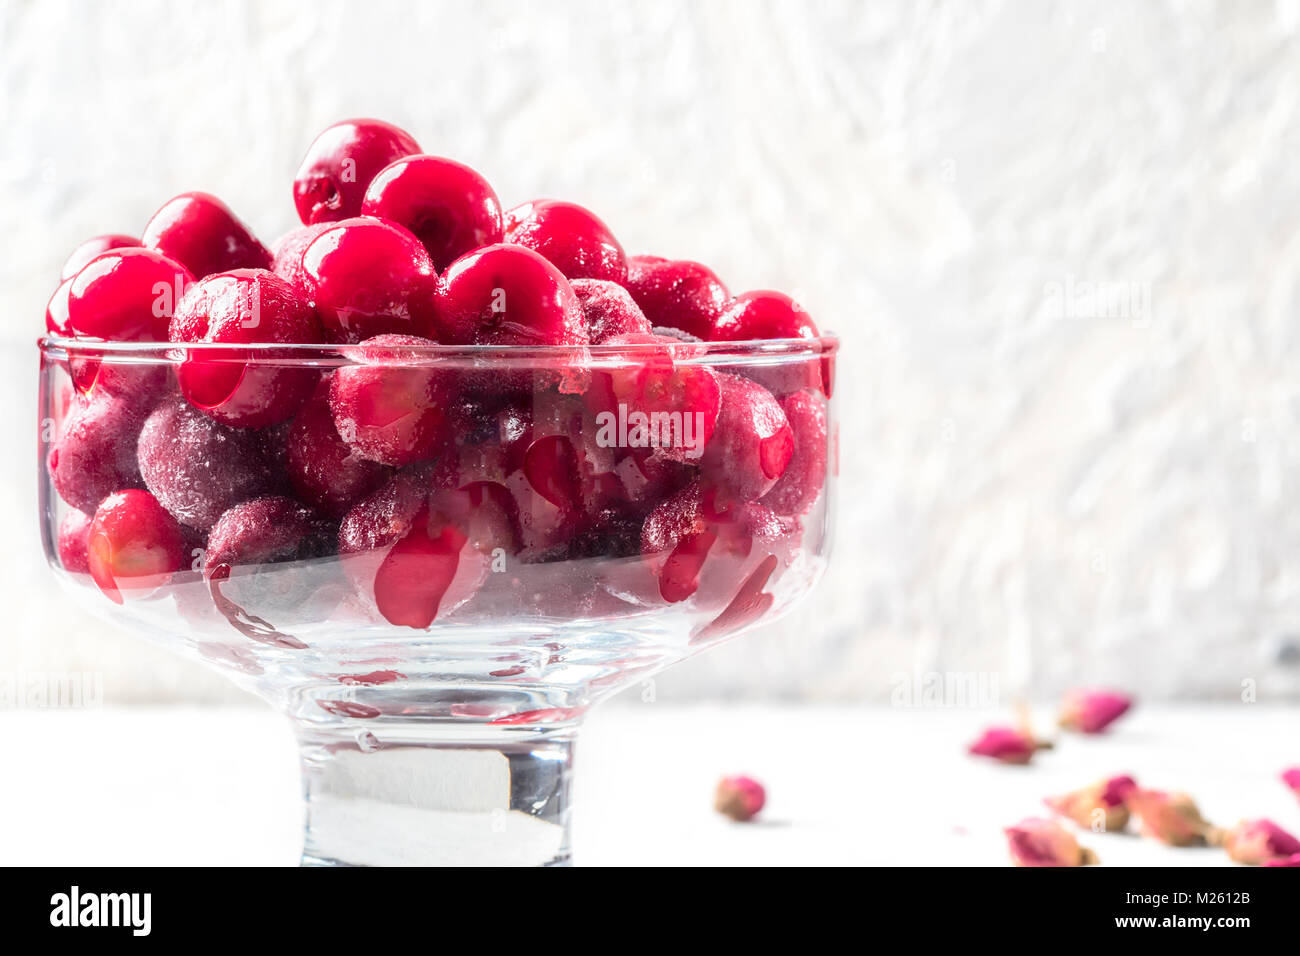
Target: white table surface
[{"x": 219, "y": 786}]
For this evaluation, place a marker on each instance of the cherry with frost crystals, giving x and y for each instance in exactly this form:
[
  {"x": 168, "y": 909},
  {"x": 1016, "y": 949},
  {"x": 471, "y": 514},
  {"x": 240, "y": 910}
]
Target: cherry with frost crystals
[
  {"x": 418, "y": 552},
  {"x": 324, "y": 470},
  {"x": 649, "y": 400},
  {"x": 126, "y": 295},
  {"x": 678, "y": 293},
  {"x": 752, "y": 444},
  {"x": 331, "y": 182},
  {"x": 805, "y": 476},
  {"x": 266, "y": 530},
  {"x": 449, "y": 207},
  {"x": 93, "y": 247},
  {"x": 368, "y": 278},
  {"x": 773, "y": 315},
  {"x": 609, "y": 310},
  {"x": 74, "y": 532},
  {"x": 570, "y": 237},
  {"x": 133, "y": 544},
  {"x": 95, "y": 456},
  {"x": 198, "y": 468},
  {"x": 389, "y": 408},
  {"x": 200, "y": 232},
  {"x": 697, "y": 548},
  {"x": 508, "y": 295},
  {"x": 242, "y": 307}
]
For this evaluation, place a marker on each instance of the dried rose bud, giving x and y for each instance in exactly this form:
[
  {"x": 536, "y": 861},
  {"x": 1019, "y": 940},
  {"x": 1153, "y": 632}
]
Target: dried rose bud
[
  {"x": 1259, "y": 841},
  {"x": 1038, "y": 842},
  {"x": 1007, "y": 744},
  {"x": 1171, "y": 818},
  {"x": 1292, "y": 860},
  {"x": 1100, "y": 807},
  {"x": 739, "y": 798},
  {"x": 1291, "y": 777},
  {"x": 1092, "y": 711}
]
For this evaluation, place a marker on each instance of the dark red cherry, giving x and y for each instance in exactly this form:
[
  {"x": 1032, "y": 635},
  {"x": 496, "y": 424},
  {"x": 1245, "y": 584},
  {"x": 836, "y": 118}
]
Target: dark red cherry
[
  {"x": 325, "y": 471},
  {"x": 95, "y": 456},
  {"x": 266, "y": 530},
  {"x": 649, "y": 400},
  {"x": 133, "y": 544},
  {"x": 772, "y": 315},
  {"x": 446, "y": 205},
  {"x": 609, "y": 310},
  {"x": 752, "y": 444},
  {"x": 56, "y": 310},
  {"x": 805, "y": 476},
  {"x": 197, "y": 468},
  {"x": 93, "y": 247},
  {"x": 677, "y": 293},
  {"x": 126, "y": 295},
  {"x": 339, "y": 165},
  {"x": 286, "y": 255},
  {"x": 234, "y": 386},
  {"x": 370, "y": 278},
  {"x": 410, "y": 550},
  {"x": 572, "y": 238},
  {"x": 74, "y": 531},
  {"x": 508, "y": 295},
  {"x": 200, "y": 232},
  {"x": 391, "y": 407}
]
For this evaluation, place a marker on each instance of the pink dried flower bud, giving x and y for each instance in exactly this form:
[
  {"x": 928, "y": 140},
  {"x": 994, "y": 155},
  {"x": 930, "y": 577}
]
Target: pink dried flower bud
[
  {"x": 1171, "y": 818},
  {"x": 1291, "y": 777},
  {"x": 739, "y": 798},
  {"x": 1092, "y": 711},
  {"x": 1292, "y": 860},
  {"x": 1007, "y": 744},
  {"x": 1039, "y": 842},
  {"x": 1100, "y": 807},
  {"x": 1259, "y": 841}
]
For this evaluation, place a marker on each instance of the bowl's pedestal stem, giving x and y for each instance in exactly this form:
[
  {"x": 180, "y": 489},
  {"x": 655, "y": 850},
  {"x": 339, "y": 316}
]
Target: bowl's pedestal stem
[{"x": 431, "y": 794}]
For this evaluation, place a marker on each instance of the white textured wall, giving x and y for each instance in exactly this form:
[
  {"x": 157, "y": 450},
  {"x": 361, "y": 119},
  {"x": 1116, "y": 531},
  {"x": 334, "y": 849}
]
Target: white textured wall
[{"x": 1032, "y": 483}]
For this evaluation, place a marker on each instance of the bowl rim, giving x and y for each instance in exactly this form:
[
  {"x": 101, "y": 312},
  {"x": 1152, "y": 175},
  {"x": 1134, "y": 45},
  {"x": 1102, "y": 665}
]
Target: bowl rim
[{"x": 761, "y": 351}]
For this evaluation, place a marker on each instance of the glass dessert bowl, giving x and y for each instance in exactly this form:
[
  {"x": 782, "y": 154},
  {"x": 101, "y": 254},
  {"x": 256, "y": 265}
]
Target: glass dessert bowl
[{"x": 446, "y": 554}]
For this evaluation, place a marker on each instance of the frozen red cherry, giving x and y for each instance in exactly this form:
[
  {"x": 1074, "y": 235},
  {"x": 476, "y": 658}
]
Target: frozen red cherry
[
  {"x": 763, "y": 315},
  {"x": 266, "y": 530},
  {"x": 677, "y": 293},
  {"x": 572, "y": 238},
  {"x": 133, "y": 544},
  {"x": 95, "y": 456},
  {"x": 340, "y": 164},
  {"x": 56, "y": 310},
  {"x": 648, "y": 400},
  {"x": 93, "y": 247},
  {"x": 391, "y": 407},
  {"x": 126, "y": 295},
  {"x": 697, "y": 548},
  {"x": 509, "y": 295},
  {"x": 286, "y": 255},
  {"x": 200, "y": 232},
  {"x": 198, "y": 468},
  {"x": 805, "y": 476},
  {"x": 326, "y": 471},
  {"x": 235, "y": 308},
  {"x": 369, "y": 278},
  {"x": 410, "y": 552},
  {"x": 74, "y": 531},
  {"x": 446, "y": 205},
  {"x": 752, "y": 444},
  {"x": 609, "y": 310}
]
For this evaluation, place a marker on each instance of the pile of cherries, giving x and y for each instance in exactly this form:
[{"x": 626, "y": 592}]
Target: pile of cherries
[{"x": 416, "y": 475}]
